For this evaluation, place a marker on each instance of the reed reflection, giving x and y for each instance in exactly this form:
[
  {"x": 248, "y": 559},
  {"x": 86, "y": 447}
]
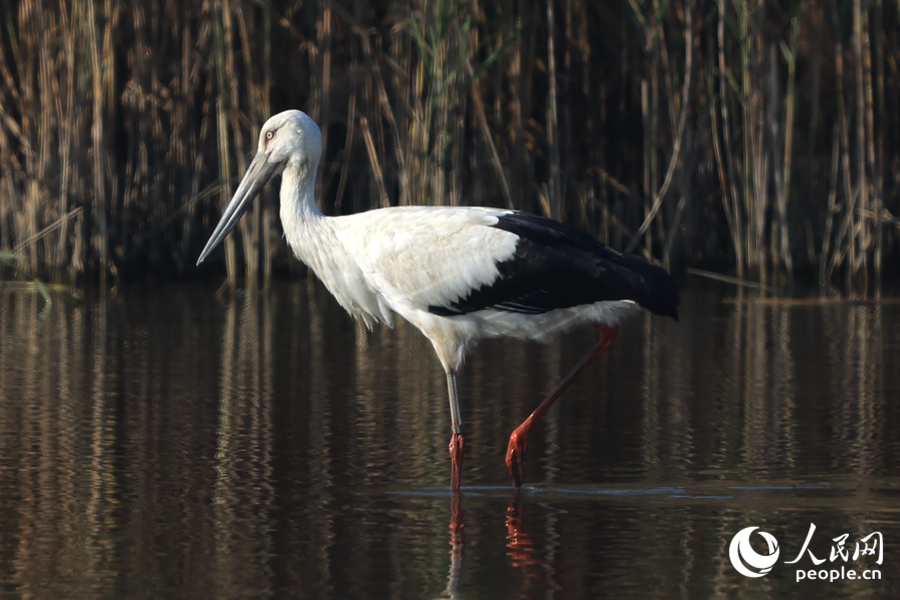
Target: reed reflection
[
  {"x": 243, "y": 490},
  {"x": 49, "y": 510}
]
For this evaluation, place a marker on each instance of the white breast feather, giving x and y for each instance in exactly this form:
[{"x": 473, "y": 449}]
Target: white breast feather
[{"x": 339, "y": 271}]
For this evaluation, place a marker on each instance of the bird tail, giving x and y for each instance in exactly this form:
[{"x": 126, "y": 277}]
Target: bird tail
[{"x": 648, "y": 284}]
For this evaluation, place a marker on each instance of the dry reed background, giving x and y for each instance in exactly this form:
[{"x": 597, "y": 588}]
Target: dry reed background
[{"x": 756, "y": 138}]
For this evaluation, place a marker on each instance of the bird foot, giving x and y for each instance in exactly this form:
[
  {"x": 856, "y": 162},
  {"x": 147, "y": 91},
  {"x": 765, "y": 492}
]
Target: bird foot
[
  {"x": 515, "y": 455},
  {"x": 457, "y": 451}
]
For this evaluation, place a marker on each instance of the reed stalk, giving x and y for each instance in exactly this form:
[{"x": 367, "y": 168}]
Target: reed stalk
[
  {"x": 860, "y": 37},
  {"x": 554, "y": 184}
]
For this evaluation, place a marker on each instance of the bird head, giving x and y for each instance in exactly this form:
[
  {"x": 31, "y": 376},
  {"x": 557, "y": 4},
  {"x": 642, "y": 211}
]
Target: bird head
[
  {"x": 291, "y": 137},
  {"x": 288, "y": 140}
]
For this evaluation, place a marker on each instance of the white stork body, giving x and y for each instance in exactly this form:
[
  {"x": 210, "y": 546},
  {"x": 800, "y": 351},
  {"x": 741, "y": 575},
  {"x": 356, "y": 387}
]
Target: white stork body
[
  {"x": 457, "y": 273},
  {"x": 406, "y": 259}
]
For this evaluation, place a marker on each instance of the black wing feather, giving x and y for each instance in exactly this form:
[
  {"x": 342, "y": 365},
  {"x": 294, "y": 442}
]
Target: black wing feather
[{"x": 556, "y": 266}]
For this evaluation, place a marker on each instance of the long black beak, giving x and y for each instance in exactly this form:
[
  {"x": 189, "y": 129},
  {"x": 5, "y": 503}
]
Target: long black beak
[{"x": 255, "y": 178}]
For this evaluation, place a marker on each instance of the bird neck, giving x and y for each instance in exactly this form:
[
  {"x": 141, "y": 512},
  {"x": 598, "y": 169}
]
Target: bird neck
[
  {"x": 298, "y": 193},
  {"x": 300, "y": 217}
]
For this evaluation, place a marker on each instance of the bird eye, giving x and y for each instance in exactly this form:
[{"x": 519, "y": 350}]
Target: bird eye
[{"x": 270, "y": 135}]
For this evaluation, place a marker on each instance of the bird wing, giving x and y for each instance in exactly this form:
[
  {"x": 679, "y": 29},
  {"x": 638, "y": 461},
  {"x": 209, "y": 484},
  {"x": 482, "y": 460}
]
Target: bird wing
[
  {"x": 423, "y": 256},
  {"x": 457, "y": 260},
  {"x": 555, "y": 266}
]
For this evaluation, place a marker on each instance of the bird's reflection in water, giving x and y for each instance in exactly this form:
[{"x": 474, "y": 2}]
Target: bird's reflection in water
[
  {"x": 519, "y": 543},
  {"x": 457, "y": 544}
]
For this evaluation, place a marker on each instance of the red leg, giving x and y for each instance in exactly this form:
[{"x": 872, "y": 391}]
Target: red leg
[
  {"x": 457, "y": 451},
  {"x": 518, "y": 441},
  {"x": 458, "y": 439}
]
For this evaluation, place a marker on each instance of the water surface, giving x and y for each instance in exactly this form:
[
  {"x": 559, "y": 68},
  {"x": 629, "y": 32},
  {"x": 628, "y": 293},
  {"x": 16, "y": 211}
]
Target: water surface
[{"x": 160, "y": 442}]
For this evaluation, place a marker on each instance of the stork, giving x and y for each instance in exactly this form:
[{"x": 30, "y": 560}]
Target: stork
[{"x": 458, "y": 274}]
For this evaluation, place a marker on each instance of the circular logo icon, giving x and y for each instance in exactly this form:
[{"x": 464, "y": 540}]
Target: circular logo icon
[{"x": 748, "y": 561}]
